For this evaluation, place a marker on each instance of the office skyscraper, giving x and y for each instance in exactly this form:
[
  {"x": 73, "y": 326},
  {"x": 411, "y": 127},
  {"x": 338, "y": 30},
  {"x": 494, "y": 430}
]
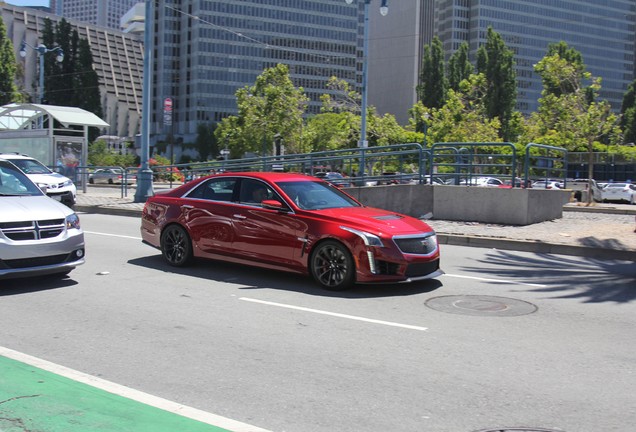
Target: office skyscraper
[
  {"x": 603, "y": 32},
  {"x": 105, "y": 13},
  {"x": 205, "y": 50}
]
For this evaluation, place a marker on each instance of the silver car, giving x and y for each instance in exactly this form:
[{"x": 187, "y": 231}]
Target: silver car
[{"x": 38, "y": 235}]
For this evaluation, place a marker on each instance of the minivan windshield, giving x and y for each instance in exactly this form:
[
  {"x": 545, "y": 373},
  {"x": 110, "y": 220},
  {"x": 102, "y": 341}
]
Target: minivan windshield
[{"x": 13, "y": 182}]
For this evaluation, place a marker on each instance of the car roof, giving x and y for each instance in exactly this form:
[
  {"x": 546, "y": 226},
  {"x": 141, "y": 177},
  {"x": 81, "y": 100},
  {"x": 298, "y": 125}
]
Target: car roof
[
  {"x": 270, "y": 176},
  {"x": 14, "y": 156}
]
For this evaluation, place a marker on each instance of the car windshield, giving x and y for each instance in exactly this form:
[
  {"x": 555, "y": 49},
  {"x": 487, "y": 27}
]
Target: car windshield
[
  {"x": 30, "y": 166},
  {"x": 310, "y": 195},
  {"x": 13, "y": 182},
  {"x": 617, "y": 185}
]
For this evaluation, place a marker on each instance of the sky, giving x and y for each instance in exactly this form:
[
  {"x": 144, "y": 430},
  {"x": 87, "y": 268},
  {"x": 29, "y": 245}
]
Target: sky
[{"x": 28, "y": 2}]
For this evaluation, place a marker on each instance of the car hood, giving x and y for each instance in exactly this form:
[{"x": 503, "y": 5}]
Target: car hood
[
  {"x": 377, "y": 220},
  {"x": 47, "y": 178},
  {"x": 24, "y": 208}
]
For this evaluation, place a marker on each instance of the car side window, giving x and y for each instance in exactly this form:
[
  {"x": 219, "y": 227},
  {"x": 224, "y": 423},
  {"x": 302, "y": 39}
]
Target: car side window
[
  {"x": 254, "y": 192},
  {"x": 214, "y": 189}
]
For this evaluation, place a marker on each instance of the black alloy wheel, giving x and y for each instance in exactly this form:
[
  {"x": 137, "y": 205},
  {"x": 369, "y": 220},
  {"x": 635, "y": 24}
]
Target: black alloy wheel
[
  {"x": 176, "y": 246},
  {"x": 332, "y": 266}
]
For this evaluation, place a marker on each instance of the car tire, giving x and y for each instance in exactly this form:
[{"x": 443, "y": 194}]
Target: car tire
[
  {"x": 91, "y": 181},
  {"x": 110, "y": 181},
  {"x": 176, "y": 246},
  {"x": 332, "y": 266}
]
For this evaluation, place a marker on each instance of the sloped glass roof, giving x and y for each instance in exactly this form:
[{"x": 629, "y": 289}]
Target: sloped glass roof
[{"x": 22, "y": 116}]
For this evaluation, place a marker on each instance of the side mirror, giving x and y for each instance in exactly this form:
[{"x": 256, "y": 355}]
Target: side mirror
[{"x": 273, "y": 205}]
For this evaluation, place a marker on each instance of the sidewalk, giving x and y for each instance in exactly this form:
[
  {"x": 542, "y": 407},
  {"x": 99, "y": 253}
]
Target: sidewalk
[{"x": 603, "y": 231}]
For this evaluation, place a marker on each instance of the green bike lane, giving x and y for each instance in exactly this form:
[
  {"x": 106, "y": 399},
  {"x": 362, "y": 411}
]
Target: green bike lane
[{"x": 59, "y": 399}]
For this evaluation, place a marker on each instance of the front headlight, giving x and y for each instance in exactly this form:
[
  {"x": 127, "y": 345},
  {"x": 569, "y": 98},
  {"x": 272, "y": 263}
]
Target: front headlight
[
  {"x": 368, "y": 238},
  {"x": 68, "y": 183},
  {"x": 72, "y": 221}
]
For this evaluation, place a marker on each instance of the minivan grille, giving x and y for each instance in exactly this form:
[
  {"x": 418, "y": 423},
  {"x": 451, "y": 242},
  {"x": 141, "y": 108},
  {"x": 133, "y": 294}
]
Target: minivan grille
[{"x": 32, "y": 230}]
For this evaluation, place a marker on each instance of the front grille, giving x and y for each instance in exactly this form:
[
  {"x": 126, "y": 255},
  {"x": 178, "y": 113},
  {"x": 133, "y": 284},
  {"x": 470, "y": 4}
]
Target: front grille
[
  {"x": 33, "y": 230},
  {"x": 36, "y": 262},
  {"x": 420, "y": 245},
  {"x": 422, "y": 269}
]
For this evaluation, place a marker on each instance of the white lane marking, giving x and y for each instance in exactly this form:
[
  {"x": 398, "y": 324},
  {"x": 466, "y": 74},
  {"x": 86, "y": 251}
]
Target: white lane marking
[
  {"x": 495, "y": 280},
  {"x": 339, "y": 315},
  {"x": 113, "y": 235},
  {"x": 129, "y": 393}
]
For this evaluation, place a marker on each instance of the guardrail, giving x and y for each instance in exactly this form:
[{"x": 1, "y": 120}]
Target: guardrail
[
  {"x": 455, "y": 163},
  {"x": 551, "y": 163}
]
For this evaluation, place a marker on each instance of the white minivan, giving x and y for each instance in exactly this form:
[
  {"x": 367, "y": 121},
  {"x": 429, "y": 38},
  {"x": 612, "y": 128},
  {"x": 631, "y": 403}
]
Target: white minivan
[
  {"x": 57, "y": 186},
  {"x": 38, "y": 235}
]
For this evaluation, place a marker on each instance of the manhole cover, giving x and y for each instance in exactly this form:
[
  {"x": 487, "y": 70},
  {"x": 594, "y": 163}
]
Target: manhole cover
[
  {"x": 480, "y": 305},
  {"x": 520, "y": 429}
]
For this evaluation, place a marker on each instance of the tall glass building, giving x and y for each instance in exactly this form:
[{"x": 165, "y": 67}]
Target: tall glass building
[
  {"x": 602, "y": 31},
  {"x": 104, "y": 13},
  {"x": 205, "y": 50}
]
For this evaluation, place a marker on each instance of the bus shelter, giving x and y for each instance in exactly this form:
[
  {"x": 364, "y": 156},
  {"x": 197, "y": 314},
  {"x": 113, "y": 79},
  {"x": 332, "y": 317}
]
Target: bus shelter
[{"x": 55, "y": 135}]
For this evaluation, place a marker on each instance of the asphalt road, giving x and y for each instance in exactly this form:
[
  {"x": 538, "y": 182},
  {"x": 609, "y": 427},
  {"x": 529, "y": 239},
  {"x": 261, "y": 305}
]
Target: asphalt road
[{"x": 504, "y": 339}]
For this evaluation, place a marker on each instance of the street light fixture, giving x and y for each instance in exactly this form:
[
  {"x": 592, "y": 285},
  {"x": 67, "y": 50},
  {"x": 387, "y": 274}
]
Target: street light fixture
[
  {"x": 384, "y": 10},
  {"x": 42, "y": 49}
]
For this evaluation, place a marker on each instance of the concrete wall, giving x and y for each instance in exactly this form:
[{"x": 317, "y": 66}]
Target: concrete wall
[{"x": 471, "y": 204}]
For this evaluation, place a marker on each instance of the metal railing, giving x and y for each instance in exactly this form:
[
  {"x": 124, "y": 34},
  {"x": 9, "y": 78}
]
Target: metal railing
[{"x": 454, "y": 163}]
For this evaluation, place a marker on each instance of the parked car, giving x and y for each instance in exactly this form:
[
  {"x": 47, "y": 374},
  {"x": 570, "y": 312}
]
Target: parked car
[
  {"x": 482, "y": 181},
  {"x": 296, "y": 223},
  {"x": 111, "y": 176},
  {"x": 581, "y": 185},
  {"x": 547, "y": 184},
  {"x": 620, "y": 192},
  {"x": 38, "y": 235},
  {"x": 57, "y": 186},
  {"x": 392, "y": 177},
  {"x": 334, "y": 178}
]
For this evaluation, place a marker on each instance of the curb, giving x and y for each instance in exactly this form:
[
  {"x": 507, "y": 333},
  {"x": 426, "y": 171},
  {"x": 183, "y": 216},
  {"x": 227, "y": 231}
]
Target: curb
[
  {"x": 608, "y": 210},
  {"x": 457, "y": 239},
  {"x": 115, "y": 211},
  {"x": 537, "y": 247}
]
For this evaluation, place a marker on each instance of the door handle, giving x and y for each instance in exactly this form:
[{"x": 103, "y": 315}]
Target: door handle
[
  {"x": 186, "y": 206},
  {"x": 239, "y": 216}
]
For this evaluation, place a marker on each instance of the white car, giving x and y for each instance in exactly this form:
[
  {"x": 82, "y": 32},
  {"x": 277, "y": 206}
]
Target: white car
[
  {"x": 38, "y": 235},
  {"x": 482, "y": 181},
  {"x": 547, "y": 184},
  {"x": 57, "y": 186},
  {"x": 620, "y": 192}
]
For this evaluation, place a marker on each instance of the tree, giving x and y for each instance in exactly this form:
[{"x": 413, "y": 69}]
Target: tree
[
  {"x": 459, "y": 67},
  {"x": 206, "y": 142},
  {"x": 271, "y": 106},
  {"x": 574, "y": 59},
  {"x": 8, "y": 68},
  {"x": 628, "y": 114},
  {"x": 463, "y": 118},
  {"x": 496, "y": 62},
  {"x": 341, "y": 97},
  {"x": 433, "y": 84},
  {"x": 569, "y": 120}
]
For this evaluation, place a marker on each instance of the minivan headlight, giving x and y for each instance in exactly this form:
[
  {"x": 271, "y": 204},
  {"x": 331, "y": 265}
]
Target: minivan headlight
[{"x": 72, "y": 221}]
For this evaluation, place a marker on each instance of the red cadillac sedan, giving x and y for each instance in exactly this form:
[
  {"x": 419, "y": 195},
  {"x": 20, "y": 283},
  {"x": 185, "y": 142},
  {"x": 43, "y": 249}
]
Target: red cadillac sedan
[{"x": 289, "y": 222}]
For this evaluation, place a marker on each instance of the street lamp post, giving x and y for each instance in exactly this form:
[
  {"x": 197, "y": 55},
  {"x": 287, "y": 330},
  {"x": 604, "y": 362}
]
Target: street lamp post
[
  {"x": 384, "y": 10},
  {"x": 144, "y": 177},
  {"x": 42, "y": 49},
  {"x": 363, "y": 143}
]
